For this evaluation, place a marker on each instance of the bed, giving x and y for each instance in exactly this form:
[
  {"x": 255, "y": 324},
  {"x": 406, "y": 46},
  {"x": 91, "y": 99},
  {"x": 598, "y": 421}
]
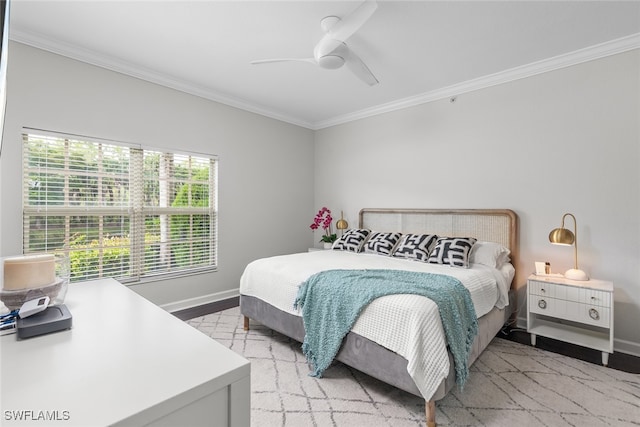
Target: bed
[{"x": 414, "y": 358}]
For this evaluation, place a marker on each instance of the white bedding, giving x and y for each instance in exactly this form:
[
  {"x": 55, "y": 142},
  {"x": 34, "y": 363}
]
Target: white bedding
[{"x": 406, "y": 324}]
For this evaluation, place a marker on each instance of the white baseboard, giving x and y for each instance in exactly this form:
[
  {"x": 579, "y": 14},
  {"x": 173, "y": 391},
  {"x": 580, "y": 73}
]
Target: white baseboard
[
  {"x": 626, "y": 347},
  {"x": 619, "y": 345},
  {"x": 197, "y": 301}
]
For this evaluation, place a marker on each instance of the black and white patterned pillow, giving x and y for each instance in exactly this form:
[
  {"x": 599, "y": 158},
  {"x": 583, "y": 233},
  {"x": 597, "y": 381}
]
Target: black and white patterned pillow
[
  {"x": 453, "y": 251},
  {"x": 352, "y": 240},
  {"x": 381, "y": 243},
  {"x": 415, "y": 246}
]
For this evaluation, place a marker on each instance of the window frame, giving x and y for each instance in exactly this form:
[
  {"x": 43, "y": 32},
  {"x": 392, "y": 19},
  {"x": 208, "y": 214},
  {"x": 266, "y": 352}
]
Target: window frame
[{"x": 135, "y": 212}]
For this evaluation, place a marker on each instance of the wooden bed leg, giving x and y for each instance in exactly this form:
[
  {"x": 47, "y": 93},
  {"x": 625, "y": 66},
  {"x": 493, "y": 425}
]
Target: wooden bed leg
[
  {"x": 430, "y": 412},
  {"x": 246, "y": 323}
]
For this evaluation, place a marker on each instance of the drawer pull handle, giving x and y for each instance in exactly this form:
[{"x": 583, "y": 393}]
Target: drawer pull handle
[
  {"x": 542, "y": 289},
  {"x": 542, "y": 304},
  {"x": 593, "y": 313}
]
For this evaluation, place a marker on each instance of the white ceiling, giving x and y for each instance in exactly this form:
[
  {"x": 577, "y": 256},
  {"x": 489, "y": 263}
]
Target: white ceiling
[{"x": 418, "y": 50}]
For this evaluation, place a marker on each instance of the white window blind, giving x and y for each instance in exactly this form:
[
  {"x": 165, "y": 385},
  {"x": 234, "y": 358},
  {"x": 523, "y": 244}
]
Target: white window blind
[{"x": 118, "y": 210}]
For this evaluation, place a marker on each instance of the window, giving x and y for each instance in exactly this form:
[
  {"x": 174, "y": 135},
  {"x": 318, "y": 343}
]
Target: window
[{"x": 118, "y": 210}]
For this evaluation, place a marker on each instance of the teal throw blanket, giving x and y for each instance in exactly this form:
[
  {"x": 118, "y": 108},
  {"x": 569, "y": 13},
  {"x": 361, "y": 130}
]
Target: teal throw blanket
[{"x": 332, "y": 300}]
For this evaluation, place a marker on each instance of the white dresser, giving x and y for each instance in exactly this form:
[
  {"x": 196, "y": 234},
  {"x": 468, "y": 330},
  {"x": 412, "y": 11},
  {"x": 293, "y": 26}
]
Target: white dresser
[
  {"x": 578, "y": 312},
  {"x": 125, "y": 362}
]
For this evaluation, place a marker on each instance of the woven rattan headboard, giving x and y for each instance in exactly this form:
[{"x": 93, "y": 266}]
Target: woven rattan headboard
[{"x": 491, "y": 225}]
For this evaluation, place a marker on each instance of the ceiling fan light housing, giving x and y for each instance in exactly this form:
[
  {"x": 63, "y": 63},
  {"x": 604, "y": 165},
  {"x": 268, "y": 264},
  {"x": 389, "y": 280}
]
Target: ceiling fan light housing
[{"x": 331, "y": 62}]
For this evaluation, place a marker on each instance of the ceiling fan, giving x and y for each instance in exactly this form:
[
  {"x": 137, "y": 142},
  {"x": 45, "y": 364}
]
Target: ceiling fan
[{"x": 332, "y": 52}]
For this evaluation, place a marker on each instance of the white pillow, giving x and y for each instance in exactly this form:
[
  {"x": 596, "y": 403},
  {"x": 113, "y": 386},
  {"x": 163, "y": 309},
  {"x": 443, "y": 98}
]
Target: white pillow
[{"x": 490, "y": 254}]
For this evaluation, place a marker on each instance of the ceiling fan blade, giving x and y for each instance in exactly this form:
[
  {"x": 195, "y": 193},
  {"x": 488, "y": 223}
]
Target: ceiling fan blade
[
  {"x": 345, "y": 27},
  {"x": 269, "y": 61},
  {"x": 360, "y": 69}
]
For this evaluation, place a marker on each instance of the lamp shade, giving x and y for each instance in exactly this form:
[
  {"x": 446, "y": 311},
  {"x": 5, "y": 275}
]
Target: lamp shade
[
  {"x": 562, "y": 236},
  {"x": 342, "y": 224}
]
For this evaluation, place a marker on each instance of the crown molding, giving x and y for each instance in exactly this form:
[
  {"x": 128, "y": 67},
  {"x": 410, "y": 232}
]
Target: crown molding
[
  {"x": 591, "y": 53},
  {"x": 108, "y": 62}
]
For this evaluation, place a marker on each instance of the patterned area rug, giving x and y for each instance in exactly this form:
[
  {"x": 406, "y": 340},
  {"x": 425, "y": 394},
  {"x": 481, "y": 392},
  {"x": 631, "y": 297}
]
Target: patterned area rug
[{"x": 511, "y": 384}]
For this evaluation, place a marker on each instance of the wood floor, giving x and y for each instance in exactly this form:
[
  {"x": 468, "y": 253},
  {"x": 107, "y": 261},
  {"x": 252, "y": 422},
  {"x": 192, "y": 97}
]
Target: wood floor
[{"x": 620, "y": 361}]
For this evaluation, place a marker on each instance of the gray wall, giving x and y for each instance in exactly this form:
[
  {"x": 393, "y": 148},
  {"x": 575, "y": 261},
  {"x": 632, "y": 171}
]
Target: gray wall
[
  {"x": 564, "y": 141},
  {"x": 265, "y": 171}
]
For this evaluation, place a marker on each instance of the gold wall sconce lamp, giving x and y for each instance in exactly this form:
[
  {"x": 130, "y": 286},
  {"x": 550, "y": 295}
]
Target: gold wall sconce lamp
[{"x": 342, "y": 224}]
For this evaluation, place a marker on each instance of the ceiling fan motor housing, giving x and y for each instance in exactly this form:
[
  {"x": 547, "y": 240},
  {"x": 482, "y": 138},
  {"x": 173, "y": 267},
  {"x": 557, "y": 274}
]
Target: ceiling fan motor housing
[
  {"x": 328, "y": 22},
  {"x": 331, "y": 52}
]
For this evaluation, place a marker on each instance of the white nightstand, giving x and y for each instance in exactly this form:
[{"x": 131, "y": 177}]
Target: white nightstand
[{"x": 578, "y": 312}]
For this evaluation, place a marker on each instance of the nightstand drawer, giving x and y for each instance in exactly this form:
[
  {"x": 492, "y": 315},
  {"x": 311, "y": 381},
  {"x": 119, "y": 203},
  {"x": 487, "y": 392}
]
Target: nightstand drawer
[
  {"x": 589, "y": 314},
  {"x": 542, "y": 305},
  {"x": 582, "y": 313},
  {"x": 554, "y": 290},
  {"x": 542, "y": 288},
  {"x": 595, "y": 297},
  {"x": 594, "y": 315}
]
